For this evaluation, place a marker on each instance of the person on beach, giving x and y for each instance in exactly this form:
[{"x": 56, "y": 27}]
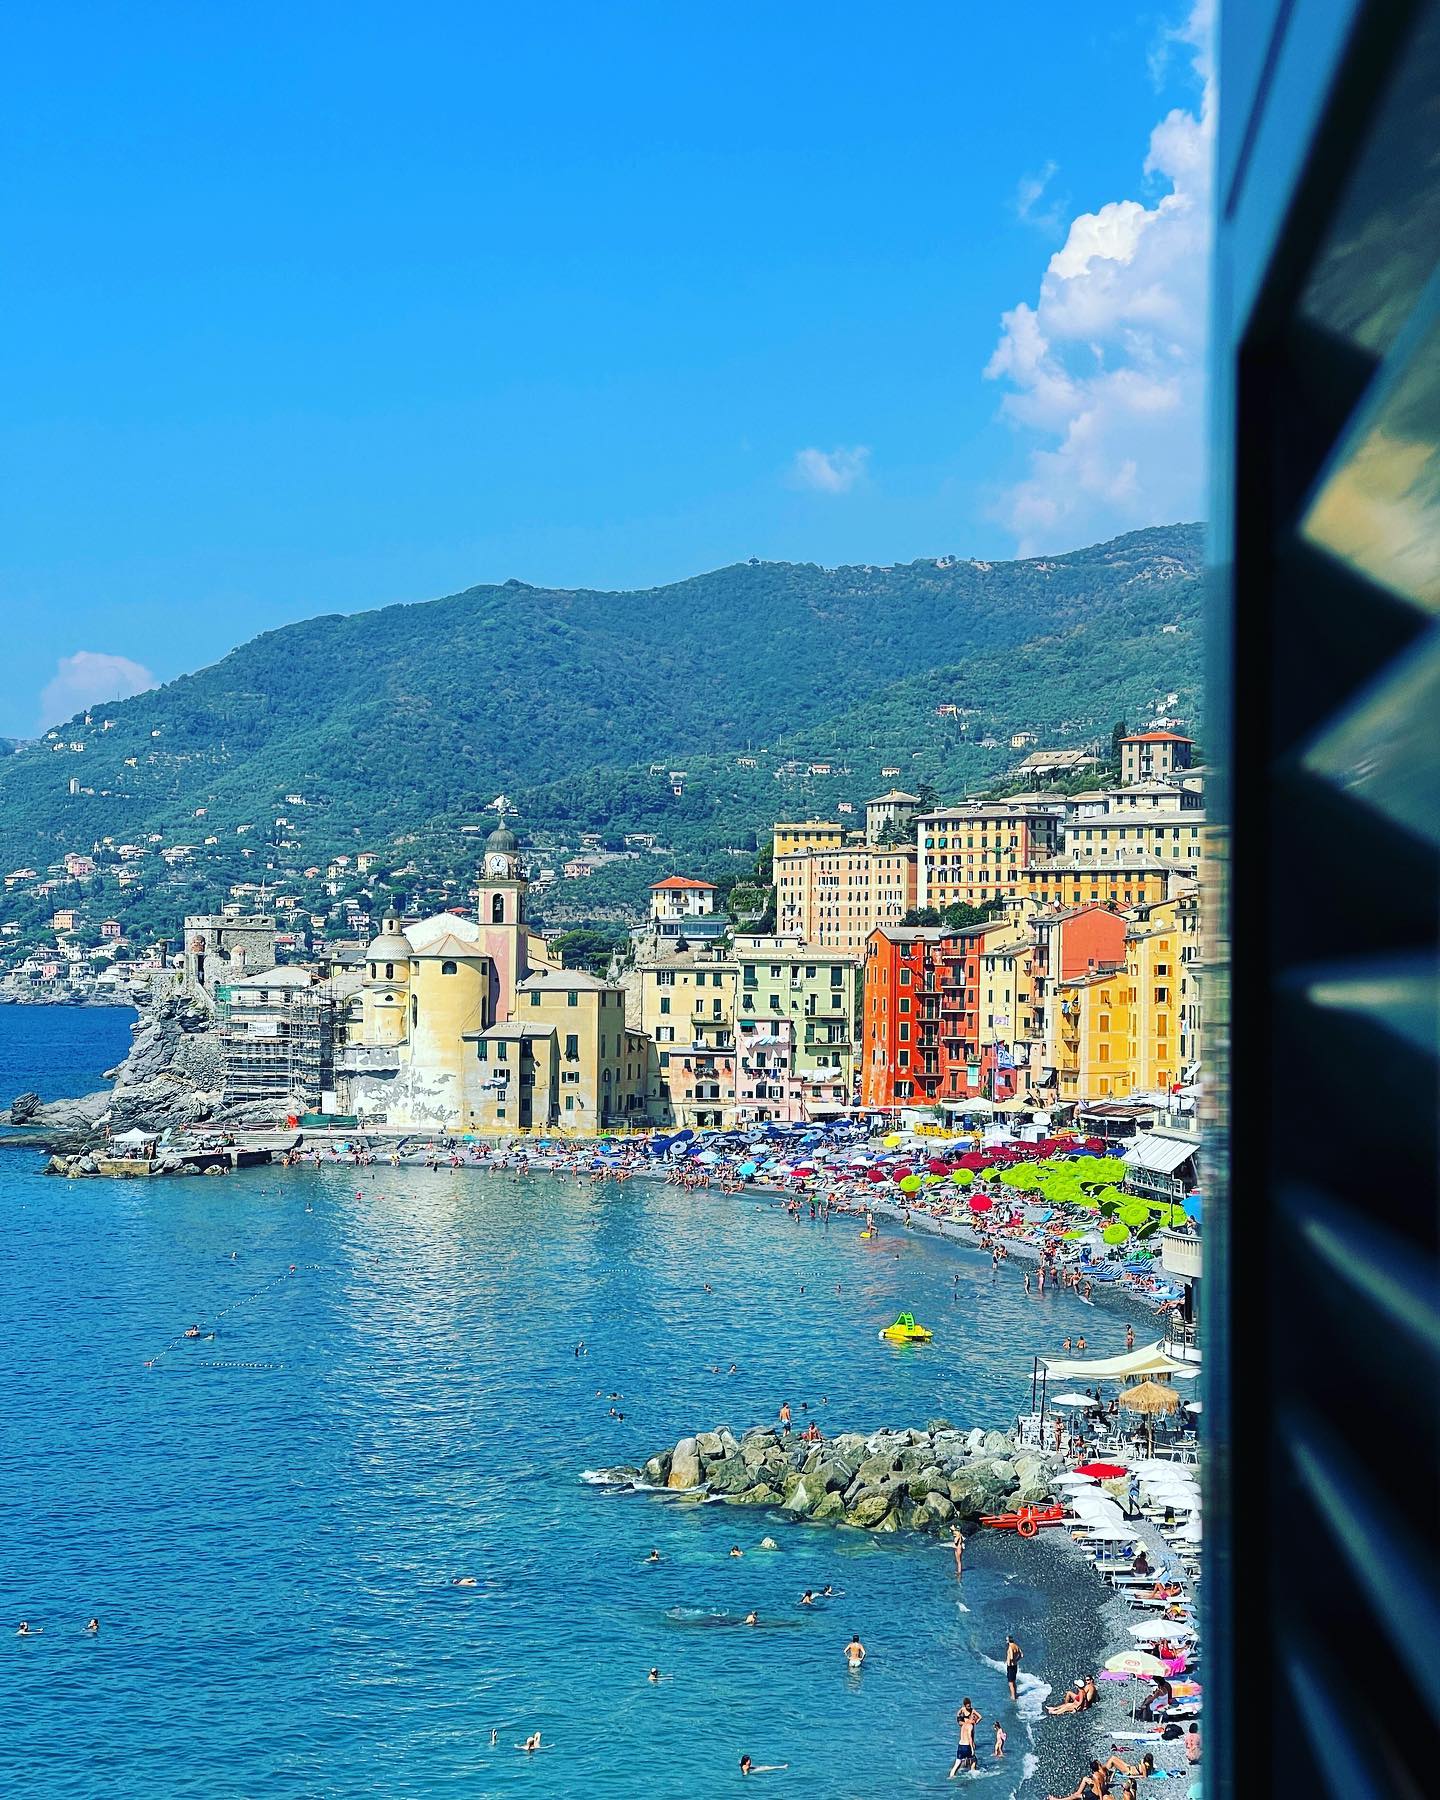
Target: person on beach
[
  {"x": 999, "y": 1738},
  {"x": 785, "y": 1417},
  {"x": 1014, "y": 1655},
  {"x": 967, "y": 1722},
  {"x": 1192, "y": 1743},
  {"x": 1091, "y": 1787},
  {"x": 1141, "y": 1771},
  {"x": 855, "y": 1651}
]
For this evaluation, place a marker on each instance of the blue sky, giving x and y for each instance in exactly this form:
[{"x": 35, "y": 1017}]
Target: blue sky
[{"x": 317, "y": 308}]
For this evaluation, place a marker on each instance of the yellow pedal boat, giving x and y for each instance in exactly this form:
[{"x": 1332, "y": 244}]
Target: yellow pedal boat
[{"x": 906, "y": 1331}]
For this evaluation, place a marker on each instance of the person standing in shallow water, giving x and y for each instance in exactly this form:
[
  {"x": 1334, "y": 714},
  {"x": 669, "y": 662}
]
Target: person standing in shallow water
[
  {"x": 958, "y": 1537},
  {"x": 1013, "y": 1656}
]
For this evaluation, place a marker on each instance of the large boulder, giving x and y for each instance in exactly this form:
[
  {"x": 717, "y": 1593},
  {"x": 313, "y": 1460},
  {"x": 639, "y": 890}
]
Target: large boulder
[
  {"x": 729, "y": 1443},
  {"x": 997, "y": 1444},
  {"x": 709, "y": 1445},
  {"x": 829, "y": 1508},
  {"x": 729, "y": 1475},
  {"x": 754, "y": 1450},
  {"x": 868, "y": 1511},
  {"x": 875, "y": 1468},
  {"x": 657, "y": 1469},
  {"x": 849, "y": 1444},
  {"x": 760, "y": 1495},
  {"x": 939, "y": 1508},
  {"x": 975, "y": 1440},
  {"x": 805, "y": 1496},
  {"x": 684, "y": 1465},
  {"x": 1034, "y": 1493}
]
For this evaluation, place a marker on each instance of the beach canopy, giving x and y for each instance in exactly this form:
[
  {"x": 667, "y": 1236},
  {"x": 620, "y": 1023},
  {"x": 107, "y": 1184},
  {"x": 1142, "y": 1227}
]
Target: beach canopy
[
  {"x": 1149, "y": 1397},
  {"x": 1102, "y": 1471},
  {"x": 1151, "y": 1360},
  {"x": 1073, "y": 1400}
]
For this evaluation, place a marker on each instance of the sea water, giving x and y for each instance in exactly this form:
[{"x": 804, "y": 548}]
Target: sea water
[{"x": 269, "y": 1520}]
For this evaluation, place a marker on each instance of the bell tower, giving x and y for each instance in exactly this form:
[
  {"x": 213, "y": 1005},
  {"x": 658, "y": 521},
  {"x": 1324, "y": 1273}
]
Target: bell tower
[{"x": 500, "y": 910}]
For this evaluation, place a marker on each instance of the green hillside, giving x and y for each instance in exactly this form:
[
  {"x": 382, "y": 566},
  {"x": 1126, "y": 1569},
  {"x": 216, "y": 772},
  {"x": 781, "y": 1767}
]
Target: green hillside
[{"x": 577, "y": 704}]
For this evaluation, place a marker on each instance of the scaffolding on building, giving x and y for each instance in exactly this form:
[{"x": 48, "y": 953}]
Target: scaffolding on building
[{"x": 277, "y": 1044}]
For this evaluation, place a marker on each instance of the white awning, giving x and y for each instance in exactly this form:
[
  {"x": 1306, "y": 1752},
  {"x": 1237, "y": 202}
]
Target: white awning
[
  {"x": 1163, "y": 1155},
  {"x": 1152, "y": 1360}
]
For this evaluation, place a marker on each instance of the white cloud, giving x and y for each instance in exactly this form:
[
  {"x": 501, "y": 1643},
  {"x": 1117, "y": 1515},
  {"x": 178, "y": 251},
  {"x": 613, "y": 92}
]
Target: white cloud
[
  {"x": 830, "y": 471},
  {"x": 1106, "y": 368},
  {"x": 87, "y": 678},
  {"x": 1030, "y": 190}
]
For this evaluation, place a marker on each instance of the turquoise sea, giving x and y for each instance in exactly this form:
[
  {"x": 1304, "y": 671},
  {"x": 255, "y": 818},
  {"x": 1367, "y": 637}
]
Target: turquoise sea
[{"x": 268, "y": 1522}]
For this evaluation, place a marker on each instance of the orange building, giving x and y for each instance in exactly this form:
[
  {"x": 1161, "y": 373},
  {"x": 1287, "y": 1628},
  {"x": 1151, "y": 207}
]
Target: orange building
[
  {"x": 921, "y": 1037},
  {"x": 1135, "y": 879}
]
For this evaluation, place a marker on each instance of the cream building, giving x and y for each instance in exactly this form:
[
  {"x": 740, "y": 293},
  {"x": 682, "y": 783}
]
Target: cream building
[
  {"x": 818, "y": 991},
  {"x": 687, "y": 1017},
  {"x": 835, "y": 897}
]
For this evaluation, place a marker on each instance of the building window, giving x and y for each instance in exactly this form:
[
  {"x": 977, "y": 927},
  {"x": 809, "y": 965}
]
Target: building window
[
  {"x": 449, "y": 968},
  {"x": 414, "y": 1011},
  {"x": 572, "y": 998},
  {"x": 664, "y": 1003},
  {"x": 389, "y": 971},
  {"x": 572, "y": 1046},
  {"x": 535, "y": 997}
]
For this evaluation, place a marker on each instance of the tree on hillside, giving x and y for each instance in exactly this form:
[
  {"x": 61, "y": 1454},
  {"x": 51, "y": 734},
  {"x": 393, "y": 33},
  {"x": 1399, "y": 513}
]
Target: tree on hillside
[{"x": 1119, "y": 730}]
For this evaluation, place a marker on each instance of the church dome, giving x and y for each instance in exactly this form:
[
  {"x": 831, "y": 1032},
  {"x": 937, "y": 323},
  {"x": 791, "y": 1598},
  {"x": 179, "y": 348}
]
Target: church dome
[
  {"x": 502, "y": 841},
  {"x": 392, "y": 945}
]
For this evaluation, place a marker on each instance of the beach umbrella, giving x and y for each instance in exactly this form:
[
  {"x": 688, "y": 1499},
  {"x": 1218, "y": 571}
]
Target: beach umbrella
[
  {"x": 877, "y": 1175},
  {"x": 1156, "y": 1631},
  {"x": 1149, "y": 1397},
  {"x": 1102, "y": 1471},
  {"x": 937, "y": 1167},
  {"x": 1115, "y": 1234},
  {"x": 962, "y": 1177},
  {"x": 1074, "y": 1481},
  {"x": 746, "y": 1168},
  {"x": 804, "y": 1170},
  {"x": 892, "y": 1142},
  {"x": 1075, "y": 1400},
  {"x": 980, "y": 1203},
  {"x": 1135, "y": 1662},
  {"x": 909, "y": 1183}
]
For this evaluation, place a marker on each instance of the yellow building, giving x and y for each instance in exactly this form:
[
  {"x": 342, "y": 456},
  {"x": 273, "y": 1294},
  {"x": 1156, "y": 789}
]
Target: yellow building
[
  {"x": 808, "y": 834},
  {"x": 687, "y": 1016},
  {"x": 835, "y": 897},
  {"x": 1119, "y": 1031},
  {"x": 1135, "y": 879},
  {"x": 564, "y": 1061},
  {"x": 1171, "y": 837},
  {"x": 978, "y": 853}
]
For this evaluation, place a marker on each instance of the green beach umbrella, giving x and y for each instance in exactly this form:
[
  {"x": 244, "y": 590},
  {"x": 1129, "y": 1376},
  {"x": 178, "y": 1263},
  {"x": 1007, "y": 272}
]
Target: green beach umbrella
[{"x": 1115, "y": 1234}]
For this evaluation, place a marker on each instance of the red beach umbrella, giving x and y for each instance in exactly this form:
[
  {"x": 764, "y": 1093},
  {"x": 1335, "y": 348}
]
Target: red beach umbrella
[
  {"x": 980, "y": 1203},
  {"x": 938, "y": 1166},
  {"x": 806, "y": 1171},
  {"x": 1102, "y": 1471},
  {"x": 900, "y": 1173}
]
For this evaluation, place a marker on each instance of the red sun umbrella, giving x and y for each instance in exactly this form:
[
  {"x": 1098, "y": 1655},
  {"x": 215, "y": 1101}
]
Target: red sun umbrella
[
  {"x": 900, "y": 1173},
  {"x": 802, "y": 1171},
  {"x": 1102, "y": 1471},
  {"x": 980, "y": 1203},
  {"x": 938, "y": 1166},
  {"x": 877, "y": 1175}
]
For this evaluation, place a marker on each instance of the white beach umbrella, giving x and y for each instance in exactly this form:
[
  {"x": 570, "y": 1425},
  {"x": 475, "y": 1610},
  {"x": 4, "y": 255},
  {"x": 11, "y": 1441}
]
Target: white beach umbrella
[
  {"x": 1154, "y": 1632},
  {"x": 1076, "y": 1481}
]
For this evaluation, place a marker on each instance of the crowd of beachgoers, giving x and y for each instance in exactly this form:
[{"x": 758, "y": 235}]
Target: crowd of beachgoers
[{"x": 827, "y": 1171}]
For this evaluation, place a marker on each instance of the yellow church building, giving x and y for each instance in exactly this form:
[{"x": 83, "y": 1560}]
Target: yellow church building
[{"x": 468, "y": 1024}]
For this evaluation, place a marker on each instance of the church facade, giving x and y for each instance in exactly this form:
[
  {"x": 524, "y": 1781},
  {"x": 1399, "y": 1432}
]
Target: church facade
[{"x": 468, "y": 1024}]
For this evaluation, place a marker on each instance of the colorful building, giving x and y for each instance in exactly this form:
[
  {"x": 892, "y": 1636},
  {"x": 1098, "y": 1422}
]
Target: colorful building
[
  {"x": 808, "y": 834},
  {"x": 835, "y": 897},
  {"x": 975, "y": 854},
  {"x": 818, "y": 991},
  {"x": 687, "y": 1015},
  {"x": 1135, "y": 879}
]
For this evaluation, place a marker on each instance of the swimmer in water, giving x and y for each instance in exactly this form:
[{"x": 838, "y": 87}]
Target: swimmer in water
[
  {"x": 827, "y": 1592},
  {"x": 653, "y": 1676},
  {"x": 494, "y": 1737},
  {"x": 749, "y": 1767},
  {"x": 463, "y": 1581},
  {"x": 192, "y": 1331},
  {"x": 27, "y": 1630},
  {"x": 735, "y": 1550},
  {"x": 855, "y": 1651},
  {"x": 92, "y": 1626},
  {"x": 752, "y": 1618},
  {"x": 531, "y": 1744},
  {"x": 807, "y": 1598},
  {"x": 653, "y": 1557}
]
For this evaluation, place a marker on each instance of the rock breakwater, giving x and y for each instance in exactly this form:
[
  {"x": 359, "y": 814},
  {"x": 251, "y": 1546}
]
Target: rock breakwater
[{"x": 927, "y": 1480}]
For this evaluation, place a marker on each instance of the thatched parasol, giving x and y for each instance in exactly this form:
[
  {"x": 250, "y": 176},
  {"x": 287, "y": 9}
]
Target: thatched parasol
[{"x": 1150, "y": 1397}]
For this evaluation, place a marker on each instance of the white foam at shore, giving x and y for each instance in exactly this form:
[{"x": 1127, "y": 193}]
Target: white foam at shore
[{"x": 1031, "y": 1691}]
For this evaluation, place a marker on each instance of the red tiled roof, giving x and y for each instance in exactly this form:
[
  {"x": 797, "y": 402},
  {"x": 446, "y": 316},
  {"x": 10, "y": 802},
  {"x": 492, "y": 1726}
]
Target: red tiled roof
[
  {"x": 1156, "y": 737},
  {"x": 679, "y": 881}
]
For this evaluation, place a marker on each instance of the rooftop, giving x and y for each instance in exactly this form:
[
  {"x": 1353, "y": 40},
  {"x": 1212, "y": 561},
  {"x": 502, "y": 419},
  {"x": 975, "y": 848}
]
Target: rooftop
[
  {"x": 680, "y": 881},
  {"x": 1156, "y": 737}
]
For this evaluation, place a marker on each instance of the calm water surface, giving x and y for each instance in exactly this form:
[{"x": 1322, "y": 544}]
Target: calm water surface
[{"x": 268, "y": 1524}]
